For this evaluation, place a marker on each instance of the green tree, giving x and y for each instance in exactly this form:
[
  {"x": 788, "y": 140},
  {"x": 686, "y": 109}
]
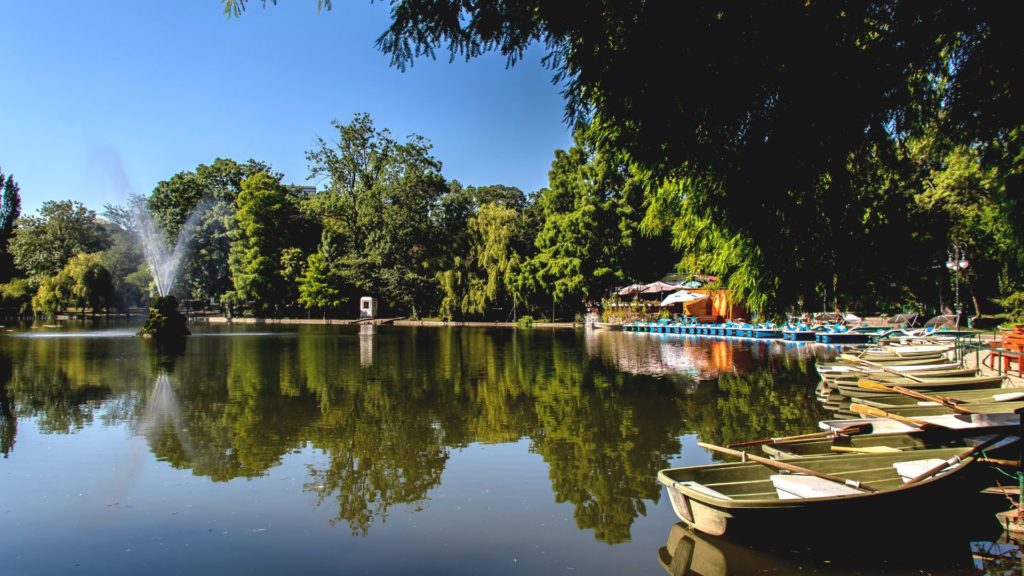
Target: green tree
[
  {"x": 204, "y": 199},
  {"x": 89, "y": 282},
  {"x": 43, "y": 244},
  {"x": 10, "y": 209},
  {"x": 16, "y": 297},
  {"x": 591, "y": 239},
  {"x": 124, "y": 258},
  {"x": 263, "y": 214},
  {"x": 378, "y": 211},
  {"x": 493, "y": 230},
  {"x": 964, "y": 199},
  {"x": 52, "y": 296},
  {"x": 484, "y": 234},
  {"x": 317, "y": 287},
  {"x": 293, "y": 262}
]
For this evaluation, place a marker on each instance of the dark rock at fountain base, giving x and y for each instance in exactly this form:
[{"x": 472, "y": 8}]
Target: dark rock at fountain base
[{"x": 164, "y": 320}]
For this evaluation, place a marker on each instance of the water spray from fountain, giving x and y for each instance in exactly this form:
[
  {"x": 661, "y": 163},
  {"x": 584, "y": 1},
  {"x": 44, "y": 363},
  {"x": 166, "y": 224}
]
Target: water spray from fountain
[
  {"x": 164, "y": 320},
  {"x": 164, "y": 262}
]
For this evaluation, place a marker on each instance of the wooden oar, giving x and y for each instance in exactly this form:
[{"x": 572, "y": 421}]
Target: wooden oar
[
  {"x": 855, "y": 429},
  {"x": 887, "y": 369},
  {"x": 955, "y": 460},
  {"x": 878, "y": 413},
  {"x": 781, "y": 465},
  {"x": 948, "y": 403}
]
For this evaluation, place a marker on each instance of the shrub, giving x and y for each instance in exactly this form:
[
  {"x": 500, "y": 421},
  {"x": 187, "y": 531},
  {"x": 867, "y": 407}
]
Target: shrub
[
  {"x": 524, "y": 322},
  {"x": 1014, "y": 306}
]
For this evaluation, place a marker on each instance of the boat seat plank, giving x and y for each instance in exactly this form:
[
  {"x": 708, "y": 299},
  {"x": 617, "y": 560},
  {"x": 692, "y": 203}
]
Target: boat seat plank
[
  {"x": 790, "y": 486},
  {"x": 756, "y": 495},
  {"x": 913, "y": 468},
  {"x": 698, "y": 487}
]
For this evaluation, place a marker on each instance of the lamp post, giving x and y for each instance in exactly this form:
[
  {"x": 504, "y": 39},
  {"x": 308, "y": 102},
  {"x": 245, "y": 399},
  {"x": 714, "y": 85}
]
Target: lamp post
[{"x": 957, "y": 261}]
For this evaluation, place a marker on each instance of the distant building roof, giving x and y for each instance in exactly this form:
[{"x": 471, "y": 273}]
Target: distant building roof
[{"x": 302, "y": 190}]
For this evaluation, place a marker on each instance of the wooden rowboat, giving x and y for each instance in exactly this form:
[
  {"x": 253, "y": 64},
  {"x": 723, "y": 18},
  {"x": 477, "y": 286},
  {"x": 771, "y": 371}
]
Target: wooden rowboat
[
  {"x": 936, "y": 385},
  {"x": 885, "y": 401},
  {"x": 748, "y": 498},
  {"x": 608, "y": 326},
  {"x": 838, "y": 369},
  {"x": 892, "y": 361},
  {"x": 853, "y": 378},
  {"x": 904, "y": 351},
  {"x": 879, "y": 443},
  {"x": 953, "y": 421},
  {"x": 965, "y": 397},
  {"x": 937, "y": 409}
]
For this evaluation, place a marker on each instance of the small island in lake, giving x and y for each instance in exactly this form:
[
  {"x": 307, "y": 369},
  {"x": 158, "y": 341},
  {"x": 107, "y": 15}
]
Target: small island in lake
[{"x": 164, "y": 320}]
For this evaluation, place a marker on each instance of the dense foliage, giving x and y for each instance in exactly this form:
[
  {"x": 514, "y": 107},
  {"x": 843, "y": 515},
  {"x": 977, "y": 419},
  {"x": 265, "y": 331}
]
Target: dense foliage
[
  {"x": 10, "y": 209},
  {"x": 807, "y": 153},
  {"x": 810, "y": 155}
]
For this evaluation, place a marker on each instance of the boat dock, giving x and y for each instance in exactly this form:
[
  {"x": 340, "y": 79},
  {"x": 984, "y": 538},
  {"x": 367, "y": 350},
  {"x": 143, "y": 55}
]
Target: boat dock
[
  {"x": 988, "y": 360},
  {"x": 748, "y": 332}
]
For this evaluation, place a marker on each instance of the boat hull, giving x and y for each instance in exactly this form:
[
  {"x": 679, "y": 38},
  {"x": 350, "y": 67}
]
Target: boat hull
[{"x": 758, "y": 511}]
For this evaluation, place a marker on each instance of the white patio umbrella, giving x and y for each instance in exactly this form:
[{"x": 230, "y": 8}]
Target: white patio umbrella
[{"x": 682, "y": 297}]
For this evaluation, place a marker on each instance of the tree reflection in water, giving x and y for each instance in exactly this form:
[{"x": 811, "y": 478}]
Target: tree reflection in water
[
  {"x": 8, "y": 419},
  {"x": 384, "y": 409}
]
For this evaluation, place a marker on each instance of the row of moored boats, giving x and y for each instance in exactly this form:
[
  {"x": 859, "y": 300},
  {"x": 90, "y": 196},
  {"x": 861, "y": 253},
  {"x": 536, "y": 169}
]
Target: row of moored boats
[
  {"x": 915, "y": 437},
  {"x": 825, "y": 333}
]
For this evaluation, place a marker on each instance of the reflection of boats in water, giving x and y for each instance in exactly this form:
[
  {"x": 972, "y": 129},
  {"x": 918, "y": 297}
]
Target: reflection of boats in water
[
  {"x": 689, "y": 553},
  {"x": 696, "y": 359},
  {"x": 662, "y": 357}
]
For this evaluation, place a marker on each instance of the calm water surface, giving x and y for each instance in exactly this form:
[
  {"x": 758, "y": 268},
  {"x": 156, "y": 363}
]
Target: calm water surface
[{"x": 330, "y": 450}]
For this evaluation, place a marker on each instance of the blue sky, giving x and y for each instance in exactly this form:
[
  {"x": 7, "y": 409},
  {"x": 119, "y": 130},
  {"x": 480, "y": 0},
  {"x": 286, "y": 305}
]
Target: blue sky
[{"x": 104, "y": 98}]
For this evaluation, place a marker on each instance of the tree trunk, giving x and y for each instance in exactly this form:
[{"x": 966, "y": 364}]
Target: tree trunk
[{"x": 974, "y": 298}]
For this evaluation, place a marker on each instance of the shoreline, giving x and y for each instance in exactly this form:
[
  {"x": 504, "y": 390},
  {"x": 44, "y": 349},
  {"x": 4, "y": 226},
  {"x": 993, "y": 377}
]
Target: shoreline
[{"x": 379, "y": 322}]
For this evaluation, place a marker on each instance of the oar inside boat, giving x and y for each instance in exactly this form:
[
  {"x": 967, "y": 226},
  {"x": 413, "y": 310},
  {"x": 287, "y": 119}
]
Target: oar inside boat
[
  {"x": 956, "y": 459},
  {"x": 879, "y": 413},
  {"x": 883, "y": 367},
  {"x": 855, "y": 429},
  {"x": 947, "y": 402},
  {"x": 789, "y": 467}
]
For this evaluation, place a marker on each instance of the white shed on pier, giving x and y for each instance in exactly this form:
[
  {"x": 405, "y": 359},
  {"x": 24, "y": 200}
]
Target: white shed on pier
[{"x": 367, "y": 307}]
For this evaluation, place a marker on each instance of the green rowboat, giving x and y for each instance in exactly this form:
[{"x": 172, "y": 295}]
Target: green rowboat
[
  {"x": 879, "y": 443},
  {"x": 938, "y": 409},
  {"x": 748, "y": 498}
]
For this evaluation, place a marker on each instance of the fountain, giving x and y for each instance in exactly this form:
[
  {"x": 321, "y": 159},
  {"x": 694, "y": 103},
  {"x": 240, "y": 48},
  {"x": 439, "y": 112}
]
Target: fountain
[{"x": 164, "y": 320}]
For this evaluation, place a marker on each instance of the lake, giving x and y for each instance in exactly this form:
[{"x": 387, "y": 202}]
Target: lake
[{"x": 387, "y": 450}]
